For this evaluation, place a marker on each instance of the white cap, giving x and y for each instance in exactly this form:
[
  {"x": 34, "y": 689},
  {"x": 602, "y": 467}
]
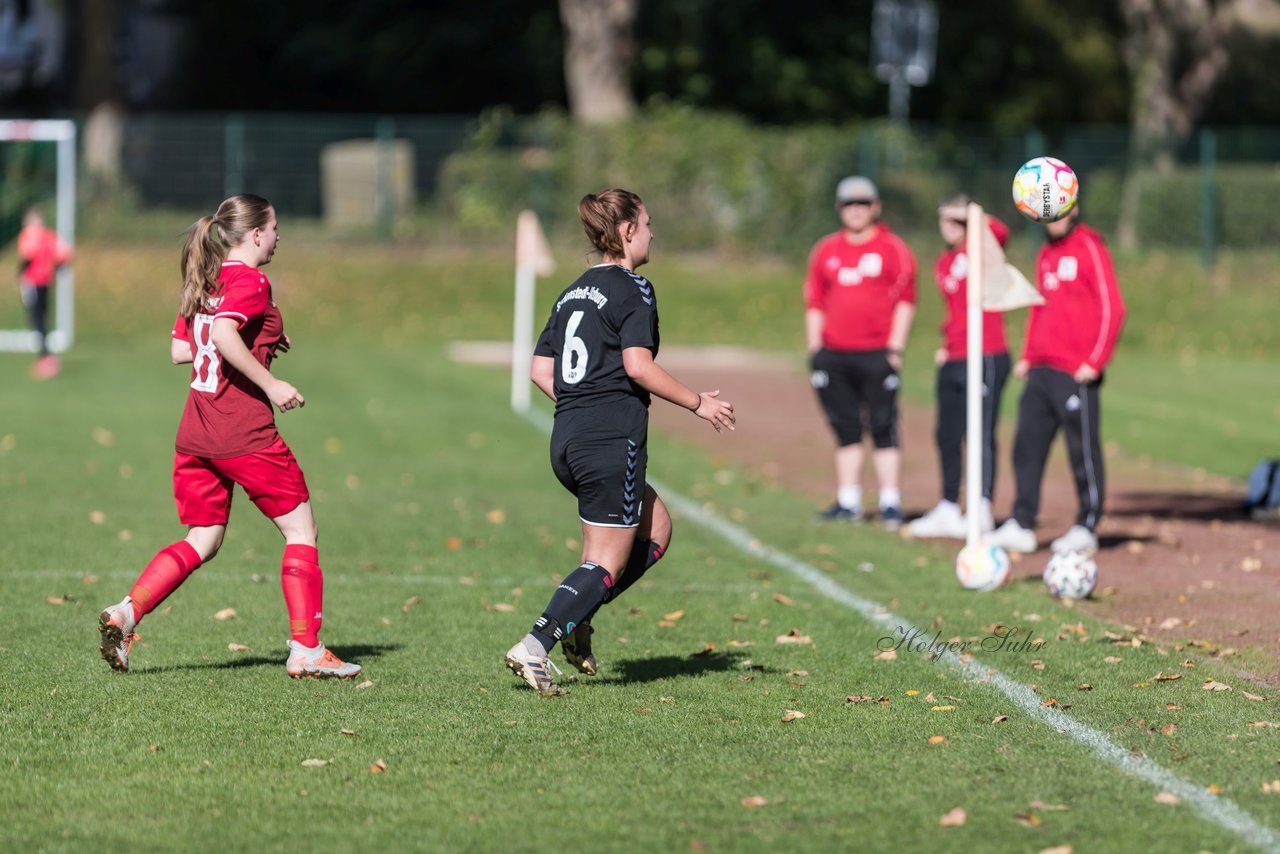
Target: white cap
[{"x": 856, "y": 188}]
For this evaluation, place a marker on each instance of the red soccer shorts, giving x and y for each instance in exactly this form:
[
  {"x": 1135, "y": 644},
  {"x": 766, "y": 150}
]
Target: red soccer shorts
[{"x": 271, "y": 478}]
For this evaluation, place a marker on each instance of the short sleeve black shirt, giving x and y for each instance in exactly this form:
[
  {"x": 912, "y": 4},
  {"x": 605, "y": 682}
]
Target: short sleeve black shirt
[{"x": 607, "y": 310}]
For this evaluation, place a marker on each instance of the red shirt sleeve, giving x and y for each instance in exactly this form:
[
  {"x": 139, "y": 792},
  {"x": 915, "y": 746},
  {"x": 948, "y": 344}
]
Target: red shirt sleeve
[
  {"x": 246, "y": 296},
  {"x": 815, "y": 283},
  {"x": 1111, "y": 310},
  {"x": 906, "y": 284}
]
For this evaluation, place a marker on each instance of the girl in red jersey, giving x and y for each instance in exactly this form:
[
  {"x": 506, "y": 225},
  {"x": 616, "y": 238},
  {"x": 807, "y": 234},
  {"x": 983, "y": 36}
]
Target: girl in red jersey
[
  {"x": 229, "y": 328},
  {"x": 952, "y": 273},
  {"x": 40, "y": 253}
]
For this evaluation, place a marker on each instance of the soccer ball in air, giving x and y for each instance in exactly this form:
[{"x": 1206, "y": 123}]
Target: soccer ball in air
[
  {"x": 982, "y": 567},
  {"x": 1071, "y": 575},
  {"x": 1045, "y": 189}
]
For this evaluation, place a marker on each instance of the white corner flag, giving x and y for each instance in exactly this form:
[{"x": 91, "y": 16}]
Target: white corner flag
[
  {"x": 993, "y": 285},
  {"x": 533, "y": 259}
]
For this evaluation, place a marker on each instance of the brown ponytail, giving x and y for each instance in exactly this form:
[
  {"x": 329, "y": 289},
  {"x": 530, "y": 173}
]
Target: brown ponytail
[
  {"x": 209, "y": 240},
  {"x": 601, "y": 214}
]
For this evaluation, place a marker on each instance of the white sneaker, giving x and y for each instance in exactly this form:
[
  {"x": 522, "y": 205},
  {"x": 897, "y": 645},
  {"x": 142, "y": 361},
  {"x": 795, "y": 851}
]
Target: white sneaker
[
  {"x": 1077, "y": 539},
  {"x": 535, "y": 670},
  {"x": 1013, "y": 537},
  {"x": 116, "y": 624},
  {"x": 944, "y": 520},
  {"x": 317, "y": 662}
]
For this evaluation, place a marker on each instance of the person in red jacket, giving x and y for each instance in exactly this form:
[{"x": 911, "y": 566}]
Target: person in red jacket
[
  {"x": 1069, "y": 343},
  {"x": 952, "y": 273},
  {"x": 860, "y": 299},
  {"x": 40, "y": 253}
]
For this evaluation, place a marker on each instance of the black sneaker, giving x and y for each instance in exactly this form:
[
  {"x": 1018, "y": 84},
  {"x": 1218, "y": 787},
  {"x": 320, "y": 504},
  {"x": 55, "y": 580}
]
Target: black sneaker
[
  {"x": 837, "y": 513},
  {"x": 890, "y": 518}
]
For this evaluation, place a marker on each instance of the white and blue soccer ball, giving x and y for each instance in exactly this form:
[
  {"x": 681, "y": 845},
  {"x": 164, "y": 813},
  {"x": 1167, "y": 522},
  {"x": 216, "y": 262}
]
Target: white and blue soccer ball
[
  {"x": 1071, "y": 575},
  {"x": 982, "y": 567}
]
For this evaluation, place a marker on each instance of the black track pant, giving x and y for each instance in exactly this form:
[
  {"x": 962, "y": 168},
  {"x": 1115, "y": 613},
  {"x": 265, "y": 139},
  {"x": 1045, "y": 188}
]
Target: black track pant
[
  {"x": 953, "y": 407},
  {"x": 1053, "y": 401},
  {"x": 36, "y": 302}
]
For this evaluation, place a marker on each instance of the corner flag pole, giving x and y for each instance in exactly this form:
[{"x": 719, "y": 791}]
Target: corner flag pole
[
  {"x": 973, "y": 382},
  {"x": 533, "y": 259}
]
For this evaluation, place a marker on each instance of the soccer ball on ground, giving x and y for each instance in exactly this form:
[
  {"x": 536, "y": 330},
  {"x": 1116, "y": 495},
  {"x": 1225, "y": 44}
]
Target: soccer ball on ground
[
  {"x": 1045, "y": 189},
  {"x": 982, "y": 567},
  {"x": 1071, "y": 575}
]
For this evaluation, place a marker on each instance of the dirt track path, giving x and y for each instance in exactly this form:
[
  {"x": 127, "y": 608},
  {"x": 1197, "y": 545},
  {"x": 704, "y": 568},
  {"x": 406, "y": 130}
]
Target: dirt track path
[{"x": 1179, "y": 562}]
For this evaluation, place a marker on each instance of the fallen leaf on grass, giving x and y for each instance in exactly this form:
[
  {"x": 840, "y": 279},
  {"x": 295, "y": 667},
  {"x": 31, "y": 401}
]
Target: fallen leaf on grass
[
  {"x": 379, "y": 767},
  {"x": 349, "y": 732},
  {"x": 741, "y": 644},
  {"x": 1084, "y": 686},
  {"x": 794, "y": 636},
  {"x": 886, "y": 655},
  {"x": 1211, "y": 685},
  {"x": 315, "y": 763},
  {"x": 225, "y": 614},
  {"x": 1170, "y": 623},
  {"x": 792, "y": 715},
  {"x": 1111, "y": 659},
  {"x": 1059, "y": 849},
  {"x": 1169, "y": 729},
  {"x": 1272, "y": 788},
  {"x": 1173, "y": 707},
  {"x": 1214, "y": 789},
  {"x": 854, "y": 699},
  {"x": 410, "y": 602},
  {"x": 60, "y": 600},
  {"x": 1254, "y": 697},
  {"x": 1166, "y": 677},
  {"x": 705, "y": 651},
  {"x": 740, "y": 618},
  {"x": 754, "y": 801},
  {"x": 501, "y": 607},
  {"x": 496, "y": 516},
  {"x": 673, "y": 616},
  {"x": 239, "y": 647},
  {"x": 999, "y": 719},
  {"x": 943, "y": 709},
  {"x": 154, "y": 748},
  {"x": 1251, "y": 564},
  {"x": 955, "y": 818},
  {"x": 797, "y": 672},
  {"x": 783, "y": 600},
  {"x": 937, "y": 739},
  {"x": 666, "y": 699},
  {"x": 453, "y": 544},
  {"x": 666, "y": 624},
  {"x": 368, "y": 683},
  {"x": 1167, "y": 798},
  {"x": 1027, "y": 819}
]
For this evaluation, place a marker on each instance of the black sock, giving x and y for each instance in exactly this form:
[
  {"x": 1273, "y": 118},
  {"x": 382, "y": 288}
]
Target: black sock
[
  {"x": 643, "y": 555},
  {"x": 574, "y": 601}
]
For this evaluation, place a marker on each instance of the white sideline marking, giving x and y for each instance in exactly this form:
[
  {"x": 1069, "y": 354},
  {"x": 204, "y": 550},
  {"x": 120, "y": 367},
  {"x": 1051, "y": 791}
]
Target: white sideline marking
[{"x": 1218, "y": 809}]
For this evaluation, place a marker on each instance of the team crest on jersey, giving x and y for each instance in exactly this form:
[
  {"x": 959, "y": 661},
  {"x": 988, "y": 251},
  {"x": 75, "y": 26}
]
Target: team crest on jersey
[
  {"x": 1068, "y": 270},
  {"x": 959, "y": 270},
  {"x": 214, "y": 302},
  {"x": 869, "y": 266}
]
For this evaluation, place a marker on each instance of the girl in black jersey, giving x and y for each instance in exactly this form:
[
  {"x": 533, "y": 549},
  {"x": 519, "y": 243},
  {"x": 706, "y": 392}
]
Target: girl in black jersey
[{"x": 595, "y": 359}]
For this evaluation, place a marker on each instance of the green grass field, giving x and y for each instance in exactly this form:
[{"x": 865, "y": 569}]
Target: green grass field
[{"x": 442, "y": 532}]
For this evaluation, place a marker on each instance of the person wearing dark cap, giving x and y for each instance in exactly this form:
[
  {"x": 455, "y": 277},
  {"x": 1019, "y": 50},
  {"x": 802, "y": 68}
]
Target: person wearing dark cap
[
  {"x": 860, "y": 295},
  {"x": 952, "y": 273}
]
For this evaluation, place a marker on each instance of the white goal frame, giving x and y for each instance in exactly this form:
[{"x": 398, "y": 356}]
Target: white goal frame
[{"x": 62, "y": 132}]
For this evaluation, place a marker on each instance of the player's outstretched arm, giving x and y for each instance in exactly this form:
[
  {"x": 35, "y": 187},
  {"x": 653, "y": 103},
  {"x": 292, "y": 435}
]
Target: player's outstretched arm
[{"x": 653, "y": 378}]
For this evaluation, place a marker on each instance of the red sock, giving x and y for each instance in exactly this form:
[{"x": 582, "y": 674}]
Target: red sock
[
  {"x": 303, "y": 586},
  {"x": 165, "y": 574}
]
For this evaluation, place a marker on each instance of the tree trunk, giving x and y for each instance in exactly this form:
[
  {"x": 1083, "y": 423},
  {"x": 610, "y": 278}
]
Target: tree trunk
[
  {"x": 1176, "y": 50},
  {"x": 599, "y": 48}
]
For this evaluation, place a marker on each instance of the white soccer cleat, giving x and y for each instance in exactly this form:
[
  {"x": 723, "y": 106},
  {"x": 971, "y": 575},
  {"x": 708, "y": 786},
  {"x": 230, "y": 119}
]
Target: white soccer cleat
[
  {"x": 318, "y": 662},
  {"x": 944, "y": 520},
  {"x": 116, "y": 624},
  {"x": 1013, "y": 537},
  {"x": 1077, "y": 539},
  {"x": 535, "y": 670}
]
